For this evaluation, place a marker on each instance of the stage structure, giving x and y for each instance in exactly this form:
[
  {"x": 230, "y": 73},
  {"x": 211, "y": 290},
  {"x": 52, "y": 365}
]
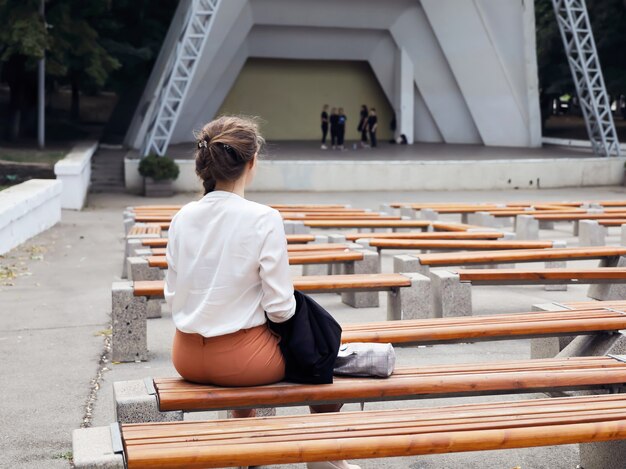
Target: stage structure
[{"x": 453, "y": 72}]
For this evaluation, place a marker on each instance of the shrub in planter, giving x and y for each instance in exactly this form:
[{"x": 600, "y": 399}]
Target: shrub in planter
[{"x": 158, "y": 173}]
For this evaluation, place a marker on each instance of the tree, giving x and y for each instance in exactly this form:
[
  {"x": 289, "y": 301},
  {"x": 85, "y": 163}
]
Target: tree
[
  {"x": 23, "y": 40},
  {"x": 608, "y": 22}
]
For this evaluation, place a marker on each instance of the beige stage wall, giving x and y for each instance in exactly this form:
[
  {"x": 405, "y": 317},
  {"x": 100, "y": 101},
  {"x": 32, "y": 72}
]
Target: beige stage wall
[{"x": 288, "y": 96}]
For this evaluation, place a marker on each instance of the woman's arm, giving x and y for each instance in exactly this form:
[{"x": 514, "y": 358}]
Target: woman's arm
[
  {"x": 171, "y": 256},
  {"x": 278, "y": 301}
]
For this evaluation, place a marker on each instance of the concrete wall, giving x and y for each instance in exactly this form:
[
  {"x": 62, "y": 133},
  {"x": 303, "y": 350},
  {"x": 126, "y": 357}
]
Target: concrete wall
[
  {"x": 27, "y": 209},
  {"x": 293, "y": 92},
  {"x": 75, "y": 172},
  {"x": 473, "y": 63},
  {"x": 413, "y": 175}
]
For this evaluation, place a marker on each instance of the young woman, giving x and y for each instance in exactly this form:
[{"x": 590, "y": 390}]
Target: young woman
[
  {"x": 372, "y": 127},
  {"x": 363, "y": 126},
  {"x": 324, "y": 119},
  {"x": 333, "y": 127},
  {"x": 228, "y": 270},
  {"x": 341, "y": 128}
]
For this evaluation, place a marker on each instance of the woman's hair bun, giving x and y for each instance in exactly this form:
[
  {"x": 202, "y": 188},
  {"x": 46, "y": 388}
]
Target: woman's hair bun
[{"x": 224, "y": 147}]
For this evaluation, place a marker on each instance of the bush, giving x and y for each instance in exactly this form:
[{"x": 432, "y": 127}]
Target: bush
[{"x": 158, "y": 168}]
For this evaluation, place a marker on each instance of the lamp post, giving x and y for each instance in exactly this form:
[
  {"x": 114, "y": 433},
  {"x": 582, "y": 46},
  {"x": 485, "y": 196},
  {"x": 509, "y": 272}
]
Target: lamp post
[{"x": 41, "y": 92}]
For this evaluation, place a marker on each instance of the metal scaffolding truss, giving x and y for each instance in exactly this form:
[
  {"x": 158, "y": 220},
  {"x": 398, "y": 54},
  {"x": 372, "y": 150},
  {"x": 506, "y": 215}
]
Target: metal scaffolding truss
[
  {"x": 584, "y": 63},
  {"x": 178, "y": 76}
]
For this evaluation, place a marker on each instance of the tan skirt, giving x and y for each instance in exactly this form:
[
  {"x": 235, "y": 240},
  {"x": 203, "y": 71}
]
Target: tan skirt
[{"x": 249, "y": 357}]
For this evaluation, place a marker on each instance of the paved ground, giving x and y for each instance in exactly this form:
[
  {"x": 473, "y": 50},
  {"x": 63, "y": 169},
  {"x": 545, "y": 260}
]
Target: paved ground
[{"x": 55, "y": 311}]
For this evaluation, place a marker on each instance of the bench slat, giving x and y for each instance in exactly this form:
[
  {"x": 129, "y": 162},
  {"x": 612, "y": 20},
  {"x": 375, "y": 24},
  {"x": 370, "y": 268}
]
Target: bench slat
[
  {"x": 537, "y": 275},
  {"x": 457, "y": 244},
  {"x": 405, "y": 383},
  {"x": 520, "y": 255},
  {"x": 295, "y": 258},
  {"x": 367, "y": 223},
  {"x": 375, "y": 434},
  {"x": 291, "y": 239},
  {"x": 427, "y": 235}
]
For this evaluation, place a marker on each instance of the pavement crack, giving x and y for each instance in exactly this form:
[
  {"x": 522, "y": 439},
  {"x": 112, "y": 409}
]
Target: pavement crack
[{"x": 94, "y": 384}]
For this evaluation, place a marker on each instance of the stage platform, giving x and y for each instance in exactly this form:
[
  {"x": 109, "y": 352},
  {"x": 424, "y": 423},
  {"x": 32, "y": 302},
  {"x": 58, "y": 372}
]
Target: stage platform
[{"x": 303, "y": 166}]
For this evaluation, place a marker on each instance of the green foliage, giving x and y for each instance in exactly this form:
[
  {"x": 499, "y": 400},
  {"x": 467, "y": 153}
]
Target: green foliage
[
  {"x": 608, "y": 22},
  {"x": 23, "y": 31},
  {"x": 158, "y": 168},
  {"x": 75, "y": 48}
]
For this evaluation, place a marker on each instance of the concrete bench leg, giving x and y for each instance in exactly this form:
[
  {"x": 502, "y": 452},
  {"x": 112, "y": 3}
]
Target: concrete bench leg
[
  {"x": 135, "y": 403},
  {"x": 369, "y": 265},
  {"x": 428, "y": 214},
  {"x": 451, "y": 297},
  {"x": 317, "y": 269},
  {"x": 128, "y": 224},
  {"x": 388, "y": 209},
  {"x": 129, "y": 328},
  {"x": 609, "y": 291},
  {"x": 338, "y": 268},
  {"x": 139, "y": 269},
  {"x": 92, "y": 448},
  {"x": 128, "y": 252},
  {"x": 548, "y": 347},
  {"x": 527, "y": 227},
  {"x": 623, "y": 235},
  {"x": 591, "y": 233},
  {"x": 408, "y": 212},
  {"x": 546, "y": 225},
  {"x": 483, "y": 219},
  {"x": 414, "y": 302},
  {"x": 407, "y": 263}
]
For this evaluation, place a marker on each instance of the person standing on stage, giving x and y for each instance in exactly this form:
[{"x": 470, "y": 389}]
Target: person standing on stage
[
  {"x": 324, "y": 118},
  {"x": 341, "y": 128},
  {"x": 372, "y": 127},
  {"x": 363, "y": 126},
  {"x": 333, "y": 127}
]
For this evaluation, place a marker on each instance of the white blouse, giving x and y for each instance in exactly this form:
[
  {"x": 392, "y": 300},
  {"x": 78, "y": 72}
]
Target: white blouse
[{"x": 227, "y": 266}]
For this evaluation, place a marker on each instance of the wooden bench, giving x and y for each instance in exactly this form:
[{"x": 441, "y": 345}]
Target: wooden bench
[
  {"x": 450, "y": 245},
  {"x": 152, "y": 267},
  {"x": 355, "y": 435},
  {"x": 452, "y": 288},
  {"x": 427, "y": 235},
  {"x": 421, "y": 263},
  {"x": 304, "y": 226},
  {"x": 408, "y": 297},
  {"x": 168, "y": 398}
]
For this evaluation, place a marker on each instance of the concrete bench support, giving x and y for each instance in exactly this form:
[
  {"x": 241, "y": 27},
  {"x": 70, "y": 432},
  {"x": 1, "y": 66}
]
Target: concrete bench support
[
  {"x": 414, "y": 302},
  {"x": 526, "y": 227},
  {"x": 548, "y": 347},
  {"x": 139, "y": 269},
  {"x": 296, "y": 227},
  {"x": 369, "y": 265},
  {"x": 408, "y": 263},
  {"x": 129, "y": 328},
  {"x": 92, "y": 448},
  {"x": 428, "y": 214},
  {"x": 556, "y": 265},
  {"x": 451, "y": 297},
  {"x": 132, "y": 244},
  {"x": 623, "y": 235},
  {"x": 483, "y": 219},
  {"x": 609, "y": 291},
  {"x": 591, "y": 233},
  {"x": 317, "y": 269},
  {"x": 134, "y": 403}
]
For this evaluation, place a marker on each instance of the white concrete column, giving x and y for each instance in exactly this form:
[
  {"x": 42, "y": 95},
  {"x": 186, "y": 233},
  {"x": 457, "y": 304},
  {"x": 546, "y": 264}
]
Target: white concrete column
[{"x": 404, "y": 101}]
